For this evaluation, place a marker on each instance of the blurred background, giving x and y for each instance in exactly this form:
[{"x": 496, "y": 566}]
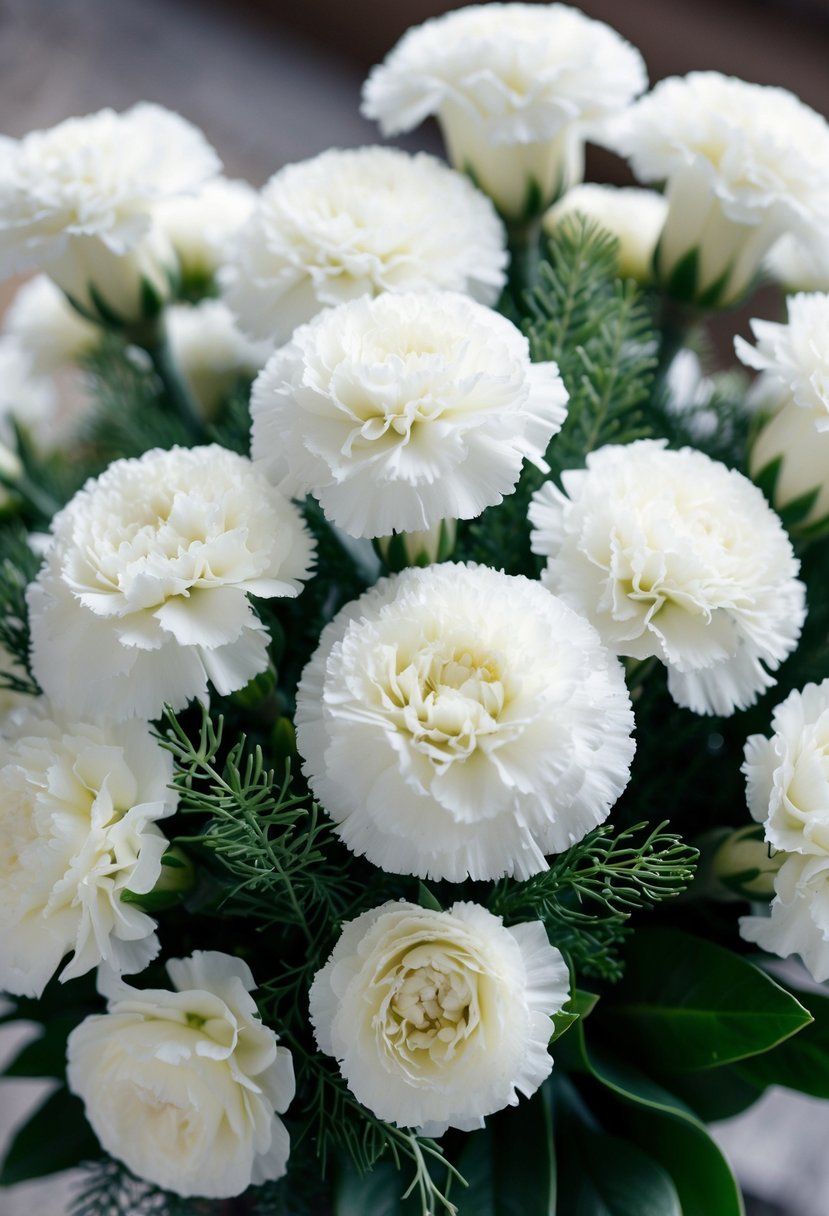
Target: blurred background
[{"x": 273, "y": 81}]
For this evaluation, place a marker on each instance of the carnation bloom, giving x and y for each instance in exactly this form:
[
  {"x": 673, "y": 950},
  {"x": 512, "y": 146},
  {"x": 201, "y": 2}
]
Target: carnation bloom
[
  {"x": 456, "y": 721},
  {"x": 790, "y": 456},
  {"x": 798, "y": 920},
  {"x": 77, "y": 829},
  {"x": 744, "y": 164},
  {"x": 798, "y": 265},
  {"x": 211, "y": 351},
  {"x": 47, "y": 328},
  {"x": 438, "y": 1019},
  {"x": 635, "y": 217},
  {"x": 202, "y": 227},
  {"x": 357, "y": 222},
  {"x": 516, "y": 89},
  {"x": 794, "y": 358},
  {"x": 77, "y": 202},
  {"x": 400, "y": 411},
  {"x": 143, "y": 594},
  {"x": 672, "y": 555},
  {"x": 185, "y": 1087}
]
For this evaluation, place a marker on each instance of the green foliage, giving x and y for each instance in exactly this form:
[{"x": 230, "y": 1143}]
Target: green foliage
[
  {"x": 54, "y": 1138},
  {"x": 18, "y": 566},
  {"x": 590, "y": 891}
]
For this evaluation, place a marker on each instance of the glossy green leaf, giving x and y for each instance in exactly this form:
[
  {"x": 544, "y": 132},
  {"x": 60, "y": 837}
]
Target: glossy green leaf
[
  {"x": 685, "y": 1003},
  {"x": 56, "y": 1138},
  {"x": 802, "y": 1062},
  {"x": 715, "y": 1093},
  {"x": 510, "y": 1165},
  {"x": 377, "y": 1192},
  {"x": 44, "y": 1056},
  {"x": 579, "y": 1005}
]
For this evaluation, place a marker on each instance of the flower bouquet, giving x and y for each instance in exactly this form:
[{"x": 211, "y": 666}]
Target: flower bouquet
[{"x": 414, "y": 737}]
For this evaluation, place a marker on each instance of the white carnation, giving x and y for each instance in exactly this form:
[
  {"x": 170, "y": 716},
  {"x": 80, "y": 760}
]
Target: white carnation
[
  {"x": 185, "y": 1087},
  {"x": 744, "y": 164},
  {"x": 403, "y": 410},
  {"x": 794, "y": 358},
  {"x": 77, "y": 200},
  {"x": 635, "y": 217},
  {"x": 800, "y": 265},
  {"x": 672, "y": 555},
  {"x": 47, "y": 328},
  {"x": 516, "y": 88},
  {"x": 211, "y": 351},
  {"x": 77, "y": 829},
  {"x": 357, "y": 222},
  {"x": 456, "y": 721},
  {"x": 798, "y": 920},
  {"x": 438, "y": 1019},
  {"x": 143, "y": 594},
  {"x": 201, "y": 228}
]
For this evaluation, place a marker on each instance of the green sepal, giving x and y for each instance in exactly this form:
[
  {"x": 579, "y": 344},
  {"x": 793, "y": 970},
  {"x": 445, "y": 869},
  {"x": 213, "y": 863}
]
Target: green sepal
[
  {"x": 580, "y": 1004},
  {"x": 426, "y": 899},
  {"x": 712, "y": 296},
  {"x": 767, "y": 478},
  {"x": 105, "y": 314},
  {"x": 150, "y": 299},
  {"x": 56, "y": 1137},
  {"x": 682, "y": 281},
  {"x": 794, "y": 512}
]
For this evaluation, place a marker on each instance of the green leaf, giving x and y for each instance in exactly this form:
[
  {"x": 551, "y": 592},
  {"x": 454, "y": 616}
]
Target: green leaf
[
  {"x": 715, "y": 1093},
  {"x": 45, "y": 1056},
  {"x": 510, "y": 1165},
  {"x": 682, "y": 281},
  {"x": 426, "y": 899},
  {"x": 685, "y": 1003},
  {"x": 377, "y": 1192},
  {"x": 603, "y": 1175},
  {"x": 578, "y": 1006},
  {"x": 801, "y": 1062},
  {"x": 56, "y": 1138}
]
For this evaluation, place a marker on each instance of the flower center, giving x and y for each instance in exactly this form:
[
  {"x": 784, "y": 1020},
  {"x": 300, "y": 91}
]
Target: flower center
[
  {"x": 430, "y": 1009},
  {"x": 448, "y": 703}
]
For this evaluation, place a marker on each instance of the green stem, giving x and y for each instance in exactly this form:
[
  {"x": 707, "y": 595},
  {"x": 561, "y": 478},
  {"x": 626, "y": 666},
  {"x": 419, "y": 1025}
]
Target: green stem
[
  {"x": 524, "y": 243},
  {"x": 676, "y": 321},
  {"x": 152, "y": 338}
]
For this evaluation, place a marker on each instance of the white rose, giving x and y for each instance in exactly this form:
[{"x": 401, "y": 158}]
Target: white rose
[
  {"x": 516, "y": 88},
  {"x": 744, "y": 164},
  {"x": 674, "y": 556},
  {"x": 185, "y": 1087},
  {"x": 456, "y": 721},
  {"x": 143, "y": 596},
  {"x": 77, "y": 202},
  {"x": 634, "y": 217},
  {"x": 438, "y": 1019},
  {"x": 361, "y": 222},
  {"x": 403, "y": 410},
  {"x": 77, "y": 829}
]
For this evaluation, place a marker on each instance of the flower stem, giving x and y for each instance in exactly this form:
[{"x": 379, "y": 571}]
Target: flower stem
[
  {"x": 153, "y": 339},
  {"x": 524, "y": 243}
]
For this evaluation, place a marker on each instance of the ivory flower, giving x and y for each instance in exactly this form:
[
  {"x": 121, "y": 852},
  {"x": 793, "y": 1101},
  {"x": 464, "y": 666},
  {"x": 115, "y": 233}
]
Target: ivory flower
[
  {"x": 744, "y": 164},
  {"x": 78, "y": 828},
  {"x": 143, "y": 594},
  {"x": 801, "y": 481},
  {"x": 202, "y": 227},
  {"x": 634, "y": 217},
  {"x": 794, "y": 358},
  {"x": 211, "y": 351},
  {"x": 798, "y": 920},
  {"x": 357, "y": 222},
  {"x": 672, "y": 555},
  {"x": 456, "y": 721},
  {"x": 185, "y": 1087},
  {"x": 798, "y": 265},
  {"x": 400, "y": 411},
  {"x": 47, "y": 328},
  {"x": 77, "y": 201},
  {"x": 516, "y": 88},
  {"x": 438, "y": 1019}
]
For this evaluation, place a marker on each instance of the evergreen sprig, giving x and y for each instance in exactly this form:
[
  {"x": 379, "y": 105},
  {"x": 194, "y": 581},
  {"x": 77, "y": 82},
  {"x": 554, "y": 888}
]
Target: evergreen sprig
[
  {"x": 18, "y": 566},
  {"x": 590, "y": 891}
]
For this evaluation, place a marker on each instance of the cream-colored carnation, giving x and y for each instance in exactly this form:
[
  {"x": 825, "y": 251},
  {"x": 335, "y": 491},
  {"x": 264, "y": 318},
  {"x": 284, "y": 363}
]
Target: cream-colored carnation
[
  {"x": 47, "y": 328},
  {"x": 185, "y": 1087},
  {"x": 211, "y": 351},
  {"x": 516, "y": 89},
  {"x": 744, "y": 164},
  {"x": 672, "y": 555},
  {"x": 77, "y": 202},
  {"x": 361, "y": 222},
  {"x": 801, "y": 481},
  {"x": 438, "y": 1019},
  {"x": 143, "y": 595},
  {"x": 201, "y": 228},
  {"x": 456, "y": 721},
  {"x": 793, "y": 358},
  {"x": 77, "y": 829},
  {"x": 402, "y": 410},
  {"x": 798, "y": 265},
  {"x": 798, "y": 919},
  {"x": 635, "y": 217}
]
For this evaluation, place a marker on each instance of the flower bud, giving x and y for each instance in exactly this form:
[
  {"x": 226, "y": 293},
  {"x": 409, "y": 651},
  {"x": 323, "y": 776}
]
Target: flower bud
[
  {"x": 116, "y": 290},
  {"x": 403, "y": 549},
  {"x": 740, "y": 864},
  {"x": 789, "y": 460},
  {"x": 635, "y": 217}
]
